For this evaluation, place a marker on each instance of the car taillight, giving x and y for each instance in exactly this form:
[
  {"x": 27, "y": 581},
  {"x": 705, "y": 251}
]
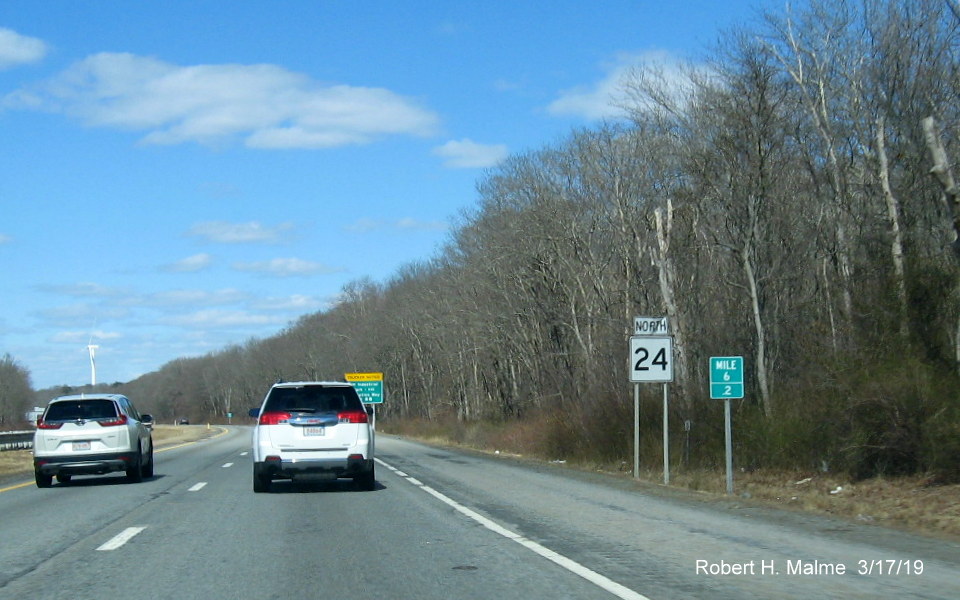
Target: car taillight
[
  {"x": 274, "y": 418},
  {"x": 118, "y": 420},
  {"x": 41, "y": 424},
  {"x": 353, "y": 416}
]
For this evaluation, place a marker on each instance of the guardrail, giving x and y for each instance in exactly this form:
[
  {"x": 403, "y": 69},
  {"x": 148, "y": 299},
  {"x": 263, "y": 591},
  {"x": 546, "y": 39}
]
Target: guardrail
[{"x": 16, "y": 440}]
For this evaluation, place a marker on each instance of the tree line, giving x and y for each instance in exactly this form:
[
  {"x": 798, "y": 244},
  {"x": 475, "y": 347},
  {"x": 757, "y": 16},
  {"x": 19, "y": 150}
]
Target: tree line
[{"x": 789, "y": 200}]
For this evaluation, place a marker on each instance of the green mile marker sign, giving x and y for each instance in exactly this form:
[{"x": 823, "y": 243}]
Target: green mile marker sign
[{"x": 726, "y": 377}]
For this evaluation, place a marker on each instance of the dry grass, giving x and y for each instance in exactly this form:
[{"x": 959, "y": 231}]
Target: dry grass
[
  {"x": 906, "y": 502},
  {"x": 13, "y": 462}
]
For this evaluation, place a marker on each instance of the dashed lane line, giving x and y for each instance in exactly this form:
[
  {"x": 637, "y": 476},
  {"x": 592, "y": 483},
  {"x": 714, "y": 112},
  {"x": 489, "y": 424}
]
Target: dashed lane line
[{"x": 121, "y": 538}]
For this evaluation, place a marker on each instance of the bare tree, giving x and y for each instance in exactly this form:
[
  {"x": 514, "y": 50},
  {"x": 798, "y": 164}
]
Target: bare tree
[{"x": 15, "y": 391}]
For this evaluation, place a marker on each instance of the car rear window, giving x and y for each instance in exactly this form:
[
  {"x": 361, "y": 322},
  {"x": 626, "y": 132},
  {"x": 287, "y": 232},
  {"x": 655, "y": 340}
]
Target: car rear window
[
  {"x": 71, "y": 410},
  {"x": 313, "y": 398}
]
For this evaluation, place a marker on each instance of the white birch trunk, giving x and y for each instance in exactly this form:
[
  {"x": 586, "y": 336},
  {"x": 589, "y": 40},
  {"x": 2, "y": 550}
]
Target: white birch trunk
[{"x": 893, "y": 214}]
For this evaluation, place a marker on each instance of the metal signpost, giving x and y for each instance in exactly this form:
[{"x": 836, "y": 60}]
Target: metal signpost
[
  {"x": 726, "y": 383},
  {"x": 651, "y": 361}
]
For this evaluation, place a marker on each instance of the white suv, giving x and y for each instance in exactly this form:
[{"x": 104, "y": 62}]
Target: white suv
[
  {"x": 312, "y": 430},
  {"x": 92, "y": 434}
]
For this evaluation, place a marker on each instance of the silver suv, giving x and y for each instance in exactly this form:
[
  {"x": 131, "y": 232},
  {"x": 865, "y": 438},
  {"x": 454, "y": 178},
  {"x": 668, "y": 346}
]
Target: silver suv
[
  {"x": 312, "y": 430},
  {"x": 92, "y": 434}
]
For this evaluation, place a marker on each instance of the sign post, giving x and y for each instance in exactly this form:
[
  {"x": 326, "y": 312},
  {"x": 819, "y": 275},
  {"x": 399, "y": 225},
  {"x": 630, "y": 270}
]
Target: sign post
[
  {"x": 726, "y": 383},
  {"x": 651, "y": 361}
]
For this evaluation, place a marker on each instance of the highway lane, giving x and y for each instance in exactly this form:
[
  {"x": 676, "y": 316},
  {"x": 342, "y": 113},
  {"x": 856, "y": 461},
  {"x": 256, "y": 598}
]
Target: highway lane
[
  {"x": 38, "y": 525},
  {"x": 203, "y": 533},
  {"x": 441, "y": 524}
]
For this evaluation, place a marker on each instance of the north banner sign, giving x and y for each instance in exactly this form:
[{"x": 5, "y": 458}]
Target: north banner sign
[
  {"x": 650, "y": 326},
  {"x": 369, "y": 386}
]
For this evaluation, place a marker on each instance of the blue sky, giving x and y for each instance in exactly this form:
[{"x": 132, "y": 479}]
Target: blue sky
[{"x": 179, "y": 176}]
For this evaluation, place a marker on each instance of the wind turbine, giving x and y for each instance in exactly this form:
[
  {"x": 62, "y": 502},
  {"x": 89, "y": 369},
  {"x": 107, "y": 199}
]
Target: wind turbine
[{"x": 91, "y": 348}]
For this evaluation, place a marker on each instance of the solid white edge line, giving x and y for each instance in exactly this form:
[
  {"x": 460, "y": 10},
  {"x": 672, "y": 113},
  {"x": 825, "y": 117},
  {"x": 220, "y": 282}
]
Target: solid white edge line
[
  {"x": 121, "y": 538},
  {"x": 574, "y": 567}
]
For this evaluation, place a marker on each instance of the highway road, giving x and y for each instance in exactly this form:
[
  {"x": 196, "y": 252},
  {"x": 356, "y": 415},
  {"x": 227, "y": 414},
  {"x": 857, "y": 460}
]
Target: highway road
[{"x": 441, "y": 524}]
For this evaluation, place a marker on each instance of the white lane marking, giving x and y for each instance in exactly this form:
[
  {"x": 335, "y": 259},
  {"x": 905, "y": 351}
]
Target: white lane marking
[
  {"x": 198, "y": 487},
  {"x": 227, "y": 465},
  {"x": 574, "y": 567},
  {"x": 120, "y": 539},
  {"x": 244, "y": 453}
]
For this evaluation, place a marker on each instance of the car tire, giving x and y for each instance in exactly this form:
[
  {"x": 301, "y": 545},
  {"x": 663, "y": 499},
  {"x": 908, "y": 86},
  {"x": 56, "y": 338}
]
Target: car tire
[
  {"x": 261, "y": 479},
  {"x": 64, "y": 478},
  {"x": 135, "y": 471},
  {"x": 366, "y": 481},
  {"x": 43, "y": 481},
  {"x": 147, "y": 468}
]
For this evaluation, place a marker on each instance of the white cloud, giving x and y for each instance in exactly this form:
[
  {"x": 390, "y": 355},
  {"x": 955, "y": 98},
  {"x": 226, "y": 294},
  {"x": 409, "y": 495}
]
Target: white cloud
[
  {"x": 16, "y": 49},
  {"x": 216, "y": 318},
  {"x": 219, "y": 190},
  {"x": 467, "y": 154},
  {"x": 606, "y": 98},
  {"x": 505, "y": 85},
  {"x": 239, "y": 233},
  {"x": 190, "y": 264},
  {"x": 84, "y": 337},
  {"x": 264, "y": 106},
  {"x": 299, "y": 303},
  {"x": 177, "y": 299},
  {"x": 411, "y": 224},
  {"x": 82, "y": 290},
  {"x": 285, "y": 267},
  {"x": 367, "y": 225},
  {"x": 364, "y": 225},
  {"x": 73, "y": 314}
]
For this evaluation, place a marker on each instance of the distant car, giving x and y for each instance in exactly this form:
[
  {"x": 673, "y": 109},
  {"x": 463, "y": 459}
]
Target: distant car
[
  {"x": 183, "y": 422},
  {"x": 92, "y": 434},
  {"x": 311, "y": 430}
]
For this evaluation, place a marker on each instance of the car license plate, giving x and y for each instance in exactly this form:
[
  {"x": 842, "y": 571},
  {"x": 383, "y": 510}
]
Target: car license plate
[
  {"x": 314, "y": 431},
  {"x": 81, "y": 446}
]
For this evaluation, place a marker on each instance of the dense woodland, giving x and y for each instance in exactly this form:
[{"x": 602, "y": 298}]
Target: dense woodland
[{"x": 790, "y": 200}]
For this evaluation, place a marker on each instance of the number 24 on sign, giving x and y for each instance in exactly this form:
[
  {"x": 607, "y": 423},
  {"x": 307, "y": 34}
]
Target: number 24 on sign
[{"x": 659, "y": 360}]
